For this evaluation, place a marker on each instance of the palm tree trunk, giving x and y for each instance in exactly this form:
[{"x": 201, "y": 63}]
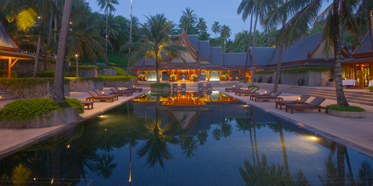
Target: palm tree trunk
[
  {"x": 248, "y": 51},
  {"x": 48, "y": 40},
  {"x": 341, "y": 99},
  {"x": 129, "y": 50},
  {"x": 77, "y": 62},
  {"x": 253, "y": 50},
  {"x": 36, "y": 67},
  {"x": 277, "y": 80},
  {"x": 58, "y": 85},
  {"x": 283, "y": 146},
  {"x": 106, "y": 36},
  {"x": 156, "y": 67}
]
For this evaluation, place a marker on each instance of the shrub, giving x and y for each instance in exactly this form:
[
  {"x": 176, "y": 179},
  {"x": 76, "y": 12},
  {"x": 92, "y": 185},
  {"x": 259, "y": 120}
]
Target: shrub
[
  {"x": 4, "y": 73},
  {"x": 86, "y": 78},
  {"x": 50, "y": 73},
  {"x": 22, "y": 83},
  {"x": 370, "y": 88},
  {"x": 343, "y": 108},
  {"x": 160, "y": 85},
  {"x": 243, "y": 81},
  {"x": 74, "y": 103},
  {"x": 250, "y": 86},
  {"x": 122, "y": 78},
  {"x": 73, "y": 67},
  {"x": 26, "y": 109}
]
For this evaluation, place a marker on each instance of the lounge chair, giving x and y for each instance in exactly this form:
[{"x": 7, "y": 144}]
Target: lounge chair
[
  {"x": 89, "y": 104},
  {"x": 271, "y": 97},
  {"x": 303, "y": 99},
  {"x": 314, "y": 104},
  {"x": 201, "y": 87},
  {"x": 95, "y": 96},
  {"x": 174, "y": 86},
  {"x": 133, "y": 89},
  {"x": 208, "y": 87},
  {"x": 99, "y": 93},
  {"x": 120, "y": 90},
  {"x": 233, "y": 88},
  {"x": 183, "y": 86},
  {"x": 252, "y": 97},
  {"x": 247, "y": 92},
  {"x": 121, "y": 93}
]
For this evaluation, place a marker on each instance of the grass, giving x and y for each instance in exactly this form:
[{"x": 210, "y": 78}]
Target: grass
[{"x": 343, "y": 108}]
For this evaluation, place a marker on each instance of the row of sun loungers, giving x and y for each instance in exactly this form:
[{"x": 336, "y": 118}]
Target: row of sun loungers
[{"x": 299, "y": 104}]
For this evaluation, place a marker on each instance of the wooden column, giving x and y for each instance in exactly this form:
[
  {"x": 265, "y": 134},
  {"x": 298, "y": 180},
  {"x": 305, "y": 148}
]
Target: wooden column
[
  {"x": 371, "y": 70},
  {"x": 10, "y": 65}
]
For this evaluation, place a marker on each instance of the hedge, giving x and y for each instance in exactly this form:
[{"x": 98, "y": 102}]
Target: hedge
[
  {"x": 21, "y": 83},
  {"x": 343, "y": 108},
  {"x": 85, "y": 78},
  {"x": 160, "y": 85},
  {"x": 50, "y": 73},
  {"x": 73, "y": 67},
  {"x": 5, "y": 72},
  {"x": 27, "y": 109}
]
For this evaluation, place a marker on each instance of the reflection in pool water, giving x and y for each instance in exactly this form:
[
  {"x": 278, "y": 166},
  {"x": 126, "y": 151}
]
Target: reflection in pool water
[{"x": 219, "y": 143}]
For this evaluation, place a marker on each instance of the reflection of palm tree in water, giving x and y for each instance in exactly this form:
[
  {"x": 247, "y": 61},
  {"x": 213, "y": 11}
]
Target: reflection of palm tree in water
[{"x": 104, "y": 166}]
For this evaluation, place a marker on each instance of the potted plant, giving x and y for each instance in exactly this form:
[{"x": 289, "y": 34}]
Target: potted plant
[
  {"x": 269, "y": 79},
  {"x": 223, "y": 77},
  {"x": 370, "y": 89},
  {"x": 259, "y": 79},
  {"x": 194, "y": 77},
  {"x": 300, "y": 81},
  {"x": 173, "y": 77}
]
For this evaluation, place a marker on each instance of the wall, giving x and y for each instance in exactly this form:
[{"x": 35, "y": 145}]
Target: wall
[
  {"x": 32, "y": 87},
  {"x": 311, "y": 78},
  {"x": 107, "y": 72},
  {"x": 24, "y": 68},
  {"x": 119, "y": 83},
  {"x": 85, "y": 85}
]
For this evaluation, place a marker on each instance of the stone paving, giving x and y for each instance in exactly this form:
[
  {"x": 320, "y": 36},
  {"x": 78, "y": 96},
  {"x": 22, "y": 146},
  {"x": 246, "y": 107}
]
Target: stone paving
[{"x": 14, "y": 139}]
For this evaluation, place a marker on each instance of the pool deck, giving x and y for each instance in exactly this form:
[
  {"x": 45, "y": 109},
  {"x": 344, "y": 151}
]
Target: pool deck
[
  {"x": 354, "y": 133},
  {"x": 13, "y": 140}
]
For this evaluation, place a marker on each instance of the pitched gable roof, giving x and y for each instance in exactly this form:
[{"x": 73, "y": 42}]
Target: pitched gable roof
[
  {"x": 6, "y": 43},
  {"x": 184, "y": 40},
  {"x": 365, "y": 46}
]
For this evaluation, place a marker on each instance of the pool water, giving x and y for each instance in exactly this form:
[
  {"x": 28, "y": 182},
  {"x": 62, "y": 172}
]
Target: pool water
[{"x": 220, "y": 142}]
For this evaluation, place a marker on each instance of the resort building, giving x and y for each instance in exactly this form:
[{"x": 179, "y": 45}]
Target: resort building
[
  {"x": 206, "y": 63},
  {"x": 360, "y": 66}
]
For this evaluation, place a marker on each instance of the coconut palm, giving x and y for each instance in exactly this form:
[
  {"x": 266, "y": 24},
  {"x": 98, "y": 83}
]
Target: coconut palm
[
  {"x": 241, "y": 39},
  {"x": 216, "y": 28},
  {"x": 201, "y": 25},
  {"x": 187, "y": 21},
  {"x": 156, "y": 39},
  {"x": 339, "y": 12},
  {"x": 58, "y": 83},
  {"x": 109, "y": 6},
  {"x": 85, "y": 39},
  {"x": 225, "y": 32},
  {"x": 189, "y": 147},
  {"x": 247, "y": 7}
]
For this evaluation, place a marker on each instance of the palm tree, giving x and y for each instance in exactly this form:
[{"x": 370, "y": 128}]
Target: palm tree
[
  {"x": 109, "y": 6},
  {"x": 189, "y": 147},
  {"x": 84, "y": 39},
  {"x": 58, "y": 84},
  {"x": 225, "y": 32},
  {"x": 339, "y": 12},
  {"x": 216, "y": 28},
  {"x": 188, "y": 20},
  {"x": 201, "y": 25},
  {"x": 246, "y": 8},
  {"x": 156, "y": 39},
  {"x": 241, "y": 39}
]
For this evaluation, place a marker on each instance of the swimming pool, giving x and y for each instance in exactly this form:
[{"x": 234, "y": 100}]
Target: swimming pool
[{"x": 219, "y": 142}]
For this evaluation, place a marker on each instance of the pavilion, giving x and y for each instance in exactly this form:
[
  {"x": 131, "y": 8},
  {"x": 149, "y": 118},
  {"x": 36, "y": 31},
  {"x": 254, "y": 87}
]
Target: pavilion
[
  {"x": 209, "y": 63},
  {"x": 9, "y": 50},
  {"x": 360, "y": 65}
]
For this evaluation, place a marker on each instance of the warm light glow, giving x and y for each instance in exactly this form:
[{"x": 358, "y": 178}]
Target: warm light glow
[
  {"x": 107, "y": 36},
  {"x": 103, "y": 92},
  {"x": 0, "y": 97},
  {"x": 76, "y": 55},
  {"x": 39, "y": 17},
  {"x": 134, "y": 86},
  {"x": 298, "y": 98},
  {"x": 101, "y": 116},
  {"x": 52, "y": 181},
  {"x": 34, "y": 179},
  {"x": 105, "y": 129},
  {"x": 71, "y": 23},
  {"x": 314, "y": 138},
  {"x": 234, "y": 86},
  {"x": 68, "y": 146},
  {"x": 265, "y": 92}
]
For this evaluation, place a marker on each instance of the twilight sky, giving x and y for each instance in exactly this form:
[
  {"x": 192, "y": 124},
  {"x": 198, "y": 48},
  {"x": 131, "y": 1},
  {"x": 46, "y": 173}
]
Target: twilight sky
[{"x": 223, "y": 11}]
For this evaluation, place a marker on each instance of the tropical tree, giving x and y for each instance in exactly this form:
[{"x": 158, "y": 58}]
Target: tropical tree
[
  {"x": 156, "y": 39},
  {"x": 339, "y": 12},
  {"x": 201, "y": 25},
  {"x": 225, "y": 32},
  {"x": 84, "y": 37},
  {"x": 241, "y": 39},
  {"x": 58, "y": 83},
  {"x": 246, "y": 8},
  {"x": 187, "y": 21},
  {"x": 216, "y": 28},
  {"x": 109, "y": 6}
]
